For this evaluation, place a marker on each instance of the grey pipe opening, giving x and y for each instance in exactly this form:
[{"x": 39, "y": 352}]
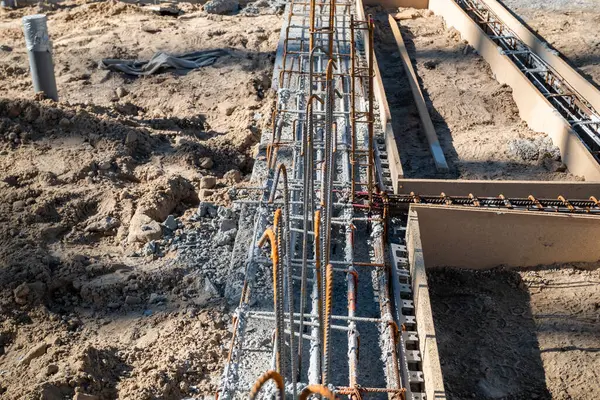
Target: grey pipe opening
[{"x": 39, "y": 49}]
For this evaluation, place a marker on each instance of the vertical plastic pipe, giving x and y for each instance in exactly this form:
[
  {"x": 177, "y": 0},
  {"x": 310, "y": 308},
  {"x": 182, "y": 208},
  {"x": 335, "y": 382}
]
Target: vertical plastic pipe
[
  {"x": 39, "y": 49},
  {"x": 7, "y": 4}
]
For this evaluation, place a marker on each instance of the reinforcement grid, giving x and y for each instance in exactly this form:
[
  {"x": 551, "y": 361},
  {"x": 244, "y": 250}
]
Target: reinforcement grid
[
  {"x": 578, "y": 112},
  {"x": 317, "y": 277}
]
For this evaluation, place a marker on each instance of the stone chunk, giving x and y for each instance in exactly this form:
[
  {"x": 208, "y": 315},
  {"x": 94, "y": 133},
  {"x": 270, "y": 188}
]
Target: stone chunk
[
  {"x": 36, "y": 352},
  {"x": 121, "y": 92},
  {"x": 208, "y": 182},
  {"x": 51, "y": 369},
  {"x": 206, "y": 163},
  {"x": 18, "y": 205},
  {"x": 227, "y": 225},
  {"x": 171, "y": 223},
  {"x": 21, "y": 293},
  {"x": 143, "y": 229},
  {"x": 221, "y": 6},
  {"x": 132, "y": 300},
  {"x": 233, "y": 176}
]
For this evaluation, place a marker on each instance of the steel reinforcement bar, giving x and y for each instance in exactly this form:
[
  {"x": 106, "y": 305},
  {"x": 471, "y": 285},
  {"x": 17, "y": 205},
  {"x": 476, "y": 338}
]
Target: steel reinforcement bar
[
  {"x": 328, "y": 249},
  {"x": 579, "y": 113},
  {"x": 531, "y": 203}
]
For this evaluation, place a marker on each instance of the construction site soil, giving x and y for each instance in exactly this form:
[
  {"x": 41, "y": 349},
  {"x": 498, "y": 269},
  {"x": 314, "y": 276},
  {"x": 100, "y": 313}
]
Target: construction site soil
[
  {"x": 518, "y": 334},
  {"x": 96, "y": 295},
  {"x": 116, "y": 217}
]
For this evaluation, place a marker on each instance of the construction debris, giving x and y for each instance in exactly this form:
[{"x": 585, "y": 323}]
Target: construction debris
[{"x": 161, "y": 62}]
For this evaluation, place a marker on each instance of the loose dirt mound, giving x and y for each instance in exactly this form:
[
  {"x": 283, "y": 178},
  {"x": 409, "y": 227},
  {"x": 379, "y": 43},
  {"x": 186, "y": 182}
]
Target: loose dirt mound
[{"x": 98, "y": 200}]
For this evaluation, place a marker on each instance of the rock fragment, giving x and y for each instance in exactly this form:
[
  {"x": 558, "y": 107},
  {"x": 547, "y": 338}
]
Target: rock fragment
[
  {"x": 64, "y": 123},
  {"x": 205, "y": 193},
  {"x": 233, "y": 176},
  {"x": 132, "y": 300},
  {"x": 36, "y": 352},
  {"x": 170, "y": 223},
  {"x": 221, "y": 6},
  {"x": 206, "y": 163},
  {"x": 143, "y": 229},
  {"x": 51, "y": 369},
  {"x": 18, "y": 205},
  {"x": 121, "y": 92},
  {"x": 21, "y": 293},
  {"x": 208, "y": 182},
  {"x": 227, "y": 225}
]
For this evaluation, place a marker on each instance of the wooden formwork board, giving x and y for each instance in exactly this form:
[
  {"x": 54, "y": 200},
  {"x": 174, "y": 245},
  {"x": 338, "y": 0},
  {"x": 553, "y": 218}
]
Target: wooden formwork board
[
  {"x": 483, "y": 239},
  {"x": 434, "y": 144},
  {"x": 432, "y": 369},
  {"x": 521, "y": 189},
  {"x": 534, "y": 108}
]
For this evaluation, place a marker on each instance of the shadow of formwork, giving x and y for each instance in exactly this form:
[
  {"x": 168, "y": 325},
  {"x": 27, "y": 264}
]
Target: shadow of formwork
[{"x": 486, "y": 334}]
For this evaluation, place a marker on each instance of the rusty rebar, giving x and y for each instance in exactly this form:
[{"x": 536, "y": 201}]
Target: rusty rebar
[
  {"x": 285, "y": 237},
  {"x": 327, "y": 323},
  {"x": 316, "y": 390},
  {"x": 264, "y": 378},
  {"x": 371, "y": 60},
  {"x": 279, "y": 340}
]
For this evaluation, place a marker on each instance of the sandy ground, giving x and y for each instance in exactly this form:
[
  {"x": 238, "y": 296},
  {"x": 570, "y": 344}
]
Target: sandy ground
[
  {"x": 96, "y": 296},
  {"x": 570, "y": 27},
  {"x": 476, "y": 119},
  {"x": 522, "y": 334}
]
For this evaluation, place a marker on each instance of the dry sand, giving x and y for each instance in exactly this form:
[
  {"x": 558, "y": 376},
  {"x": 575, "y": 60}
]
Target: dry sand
[
  {"x": 569, "y": 27},
  {"x": 521, "y": 334},
  {"x": 84, "y": 307}
]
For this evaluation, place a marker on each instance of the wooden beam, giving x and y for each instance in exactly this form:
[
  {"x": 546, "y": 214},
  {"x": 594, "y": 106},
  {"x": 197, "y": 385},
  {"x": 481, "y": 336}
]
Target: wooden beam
[
  {"x": 482, "y": 239},
  {"x": 432, "y": 139}
]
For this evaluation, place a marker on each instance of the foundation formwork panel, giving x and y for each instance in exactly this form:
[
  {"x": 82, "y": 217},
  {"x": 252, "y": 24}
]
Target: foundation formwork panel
[
  {"x": 432, "y": 370},
  {"x": 483, "y": 239}
]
